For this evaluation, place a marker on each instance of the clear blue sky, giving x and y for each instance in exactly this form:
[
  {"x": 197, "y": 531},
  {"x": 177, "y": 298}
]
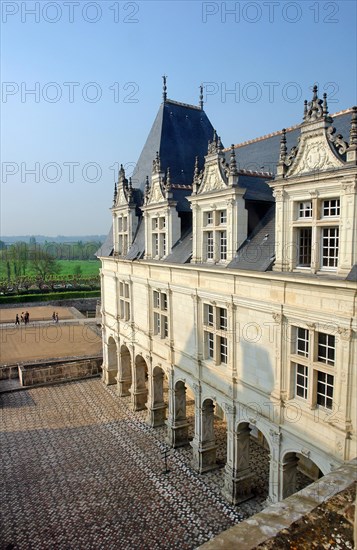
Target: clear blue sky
[{"x": 74, "y": 131}]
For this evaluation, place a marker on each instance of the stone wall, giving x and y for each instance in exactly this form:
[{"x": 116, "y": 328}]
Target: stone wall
[
  {"x": 55, "y": 371},
  {"x": 9, "y": 372}
]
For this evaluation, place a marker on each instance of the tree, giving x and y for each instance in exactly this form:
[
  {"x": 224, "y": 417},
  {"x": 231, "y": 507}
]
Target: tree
[
  {"x": 44, "y": 264},
  {"x": 77, "y": 270}
]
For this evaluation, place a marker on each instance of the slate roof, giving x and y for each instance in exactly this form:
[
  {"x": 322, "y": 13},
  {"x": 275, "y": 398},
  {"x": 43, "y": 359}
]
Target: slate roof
[
  {"x": 257, "y": 253},
  {"x": 180, "y": 133},
  {"x": 263, "y": 153}
]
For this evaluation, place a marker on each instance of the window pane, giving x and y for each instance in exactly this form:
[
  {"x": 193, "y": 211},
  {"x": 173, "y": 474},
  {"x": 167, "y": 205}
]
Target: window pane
[
  {"x": 305, "y": 247},
  {"x": 326, "y": 348},
  {"x": 223, "y": 319},
  {"x": 330, "y": 237},
  {"x": 302, "y": 342},
  {"x": 325, "y": 390},
  {"x": 301, "y": 381},
  {"x": 305, "y": 209}
]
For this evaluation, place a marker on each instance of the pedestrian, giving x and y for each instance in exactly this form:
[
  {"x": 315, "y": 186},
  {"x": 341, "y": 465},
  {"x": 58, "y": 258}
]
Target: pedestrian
[
  {"x": 56, "y": 317},
  {"x": 22, "y": 317},
  {"x": 27, "y": 317},
  {"x": 17, "y": 320}
]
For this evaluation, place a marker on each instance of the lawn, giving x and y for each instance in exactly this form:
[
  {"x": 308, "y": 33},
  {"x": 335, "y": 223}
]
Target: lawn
[{"x": 89, "y": 268}]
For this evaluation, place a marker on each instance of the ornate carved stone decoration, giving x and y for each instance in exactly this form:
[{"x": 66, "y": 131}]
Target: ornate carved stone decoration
[{"x": 340, "y": 145}]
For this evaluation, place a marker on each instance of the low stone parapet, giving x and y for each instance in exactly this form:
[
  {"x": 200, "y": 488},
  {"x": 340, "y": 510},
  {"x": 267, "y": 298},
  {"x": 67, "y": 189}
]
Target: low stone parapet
[{"x": 56, "y": 371}]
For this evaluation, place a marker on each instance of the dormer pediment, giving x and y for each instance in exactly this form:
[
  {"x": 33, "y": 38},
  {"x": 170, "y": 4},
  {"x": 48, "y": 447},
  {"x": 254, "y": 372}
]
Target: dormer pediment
[
  {"x": 314, "y": 153},
  {"x": 121, "y": 198},
  {"x": 156, "y": 194},
  {"x": 214, "y": 179}
]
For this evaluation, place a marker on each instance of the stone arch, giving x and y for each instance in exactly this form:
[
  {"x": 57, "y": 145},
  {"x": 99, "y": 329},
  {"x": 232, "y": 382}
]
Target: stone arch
[
  {"x": 139, "y": 390},
  {"x": 111, "y": 369},
  {"x": 124, "y": 372},
  {"x": 297, "y": 471}
]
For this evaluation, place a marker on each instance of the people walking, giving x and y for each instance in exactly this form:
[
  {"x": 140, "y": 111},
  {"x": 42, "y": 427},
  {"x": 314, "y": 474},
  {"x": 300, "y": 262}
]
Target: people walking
[
  {"x": 17, "y": 320},
  {"x": 56, "y": 317}
]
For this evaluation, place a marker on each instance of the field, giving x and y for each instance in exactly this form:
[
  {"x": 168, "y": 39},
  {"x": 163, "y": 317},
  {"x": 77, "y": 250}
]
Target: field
[{"x": 89, "y": 268}]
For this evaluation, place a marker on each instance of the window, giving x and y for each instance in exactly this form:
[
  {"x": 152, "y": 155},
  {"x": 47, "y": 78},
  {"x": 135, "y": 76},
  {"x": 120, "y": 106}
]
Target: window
[
  {"x": 215, "y": 240},
  {"x": 305, "y": 247},
  {"x": 122, "y": 235},
  {"x": 325, "y": 390},
  {"x": 305, "y": 209},
  {"x": 312, "y": 362},
  {"x": 222, "y": 217},
  {"x": 124, "y": 301},
  {"x": 222, "y": 245},
  {"x": 209, "y": 237},
  {"x": 330, "y": 246},
  {"x": 208, "y": 218},
  {"x": 158, "y": 225},
  {"x": 302, "y": 342},
  {"x": 301, "y": 380},
  {"x": 161, "y": 324},
  {"x": 326, "y": 348},
  {"x": 215, "y": 320},
  {"x": 331, "y": 207},
  {"x": 317, "y": 245}
]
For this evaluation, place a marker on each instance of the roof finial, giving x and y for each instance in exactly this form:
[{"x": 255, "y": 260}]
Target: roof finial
[
  {"x": 283, "y": 148},
  {"x": 164, "y": 93},
  {"x": 147, "y": 188},
  {"x": 305, "y": 109},
  {"x": 168, "y": 180},
  {"x": 115, "y": 194},
  {"x": 324, "y": 105},
  {"x": 201, "y": 97},
  {"x": 353, "y": 129},
  {"x": 314, "y": 89},
  {"x": 232, "y": 163}
]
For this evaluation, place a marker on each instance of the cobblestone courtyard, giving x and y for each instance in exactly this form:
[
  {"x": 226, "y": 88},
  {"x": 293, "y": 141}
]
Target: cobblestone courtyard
[{"x": 80, "y": 470}]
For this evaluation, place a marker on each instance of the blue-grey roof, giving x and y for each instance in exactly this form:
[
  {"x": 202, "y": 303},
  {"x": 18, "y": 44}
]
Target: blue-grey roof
[
  {"x": 257, "y": 253},
  {"x": 180, "y": 133},
  {"x": 263, "y": 153}
]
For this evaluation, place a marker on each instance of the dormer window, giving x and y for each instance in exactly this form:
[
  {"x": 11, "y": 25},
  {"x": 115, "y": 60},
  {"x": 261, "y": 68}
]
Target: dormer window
[
  {"x": 158, "y": 236},
  {"x": 222, "y": 214},
  {"x": 331, "y": 208},
  {"x": 214, "y": 239},
  {"x": 305, "y": 209}
]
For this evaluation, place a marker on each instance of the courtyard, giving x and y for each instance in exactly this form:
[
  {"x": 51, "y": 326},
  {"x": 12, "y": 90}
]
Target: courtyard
[{"x": 80, "y": 469}]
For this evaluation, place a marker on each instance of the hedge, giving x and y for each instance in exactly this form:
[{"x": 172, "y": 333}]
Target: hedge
[{"x": 49, "y": 296}]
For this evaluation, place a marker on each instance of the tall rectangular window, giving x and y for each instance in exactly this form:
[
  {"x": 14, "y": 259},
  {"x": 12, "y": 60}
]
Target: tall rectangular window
[
  {"x": 160, "y": 307},
  {"x": 326, "y": 348},
  {"x": 124, "y": 301},
  {"x": 325, "y": 389},
  {"x": 305, "y": 247},
  {"x": 223, "y": 245},
  {"x": 302, "y": 342},
  {"x": 210, "y": 250},
  {"x": 314, "y": 366},
  {"x": 301, "y": 380},
  {"x": 330, "y": 236},
  {"x": 215, "y": 321}
]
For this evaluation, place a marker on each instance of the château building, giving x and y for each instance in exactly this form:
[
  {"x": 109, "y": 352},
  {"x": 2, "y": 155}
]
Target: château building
[{"x": 229, "y": 279}]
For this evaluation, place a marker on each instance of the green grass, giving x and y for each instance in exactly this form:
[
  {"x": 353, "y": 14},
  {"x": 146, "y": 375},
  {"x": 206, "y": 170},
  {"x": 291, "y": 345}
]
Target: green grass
[{"x": 89, "y": 268}]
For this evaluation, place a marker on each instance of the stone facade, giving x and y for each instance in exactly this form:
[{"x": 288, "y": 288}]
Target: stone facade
[{"x": 271, "y": 352}]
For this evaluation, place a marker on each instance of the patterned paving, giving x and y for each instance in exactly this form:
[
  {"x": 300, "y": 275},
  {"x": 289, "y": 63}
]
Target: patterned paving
[{"x": 80, "y": 470}]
